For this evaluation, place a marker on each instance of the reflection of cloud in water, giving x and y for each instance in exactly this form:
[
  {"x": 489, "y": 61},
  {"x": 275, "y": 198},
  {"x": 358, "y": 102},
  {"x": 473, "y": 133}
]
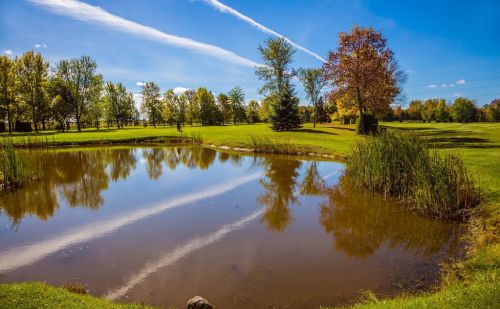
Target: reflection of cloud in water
[
  {"x": 180, "y": 252},
  {"x": 332, "y": 173},
  {"x": 25, "y": 255}
]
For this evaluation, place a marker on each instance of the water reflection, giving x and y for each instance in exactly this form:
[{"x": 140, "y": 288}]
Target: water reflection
[
  {"x": 361, "y": 222},
  {"x": 82, "y": 176},
  {"x": 358, "y": 221},
  {"x": 279, "y": 192}
]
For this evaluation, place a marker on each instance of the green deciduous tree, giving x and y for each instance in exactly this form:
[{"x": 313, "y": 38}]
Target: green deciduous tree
[
  {"x": 492, "y": 111},
  {"x": 192, "y": 109},
  {"x": 463, "y": 110},
  {"x": 266, "y": 109},
  {"x": 225, "y": 108},
  {"x": 80, "y": 76},
  {"x": 7, "y": 90},
  {"x": 61, "y": 102},
  {"x": 441, "y": 113},
  {"x": 151, "y": 103},
  {"x": 208, "y": 110},
  {"x": 252, "y": 111},
  {"x": 170, "y": 111},
  {"x": 313, "y": 83},
  {"x": 237, "y": 102},
  {"x": 119, "y": 103},
  {"x": 31, "y": 72}
]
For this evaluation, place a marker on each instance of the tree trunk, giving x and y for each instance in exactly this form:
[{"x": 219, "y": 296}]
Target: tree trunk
[
  {"x": 314, "y": 115},
  {"x": 9, "y": 119},
  {"x": 78, "y": 124},
  {"x": 360, "y": 107}
]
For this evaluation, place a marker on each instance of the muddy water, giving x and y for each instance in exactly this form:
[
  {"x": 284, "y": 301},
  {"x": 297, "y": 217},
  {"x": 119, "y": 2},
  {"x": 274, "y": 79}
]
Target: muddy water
[{"x": 160, "y": 225}]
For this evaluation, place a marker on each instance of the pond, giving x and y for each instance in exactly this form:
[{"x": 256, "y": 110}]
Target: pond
[{"x": 160, "y": 225}]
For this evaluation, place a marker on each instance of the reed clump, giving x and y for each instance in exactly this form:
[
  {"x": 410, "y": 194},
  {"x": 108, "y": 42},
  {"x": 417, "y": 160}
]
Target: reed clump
[
  {"x": 402, "y": 166},
  {"x": 75, "y": 287},
  {"x": 267, "y": 145},
  {"x": 13, "y": 173}
]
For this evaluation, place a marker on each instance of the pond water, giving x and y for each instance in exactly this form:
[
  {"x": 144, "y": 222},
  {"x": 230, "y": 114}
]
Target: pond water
[{"x": 160, "y": 225}]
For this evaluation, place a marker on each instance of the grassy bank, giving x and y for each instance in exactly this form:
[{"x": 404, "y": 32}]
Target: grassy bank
[
  {"x": 323, "y": 140},
  {"x": 473, "y": 283},
  {"x": 40, "y": 295}
]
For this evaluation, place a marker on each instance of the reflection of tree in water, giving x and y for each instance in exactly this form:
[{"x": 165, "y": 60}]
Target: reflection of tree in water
[
  {"x": 195, "y": 157},
  {"x": 122, "y": 163},
  {"x": 81, "y": 176},
  {"x": 233, "y": 158},
  {"x": 279, "y": 192},
  {"x": 154, "y": 159},
  {"x": 89, "y": 179},
  {"x": 313, "y": 183},
  {"x": 361, "y": 222}
]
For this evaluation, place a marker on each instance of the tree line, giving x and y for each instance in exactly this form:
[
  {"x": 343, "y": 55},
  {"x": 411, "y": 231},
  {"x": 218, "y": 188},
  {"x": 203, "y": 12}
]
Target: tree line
[
  {"x": 439, "y": 110},
  {"x": 360, "y": 82},
  {"x": 32, "y": 93}
]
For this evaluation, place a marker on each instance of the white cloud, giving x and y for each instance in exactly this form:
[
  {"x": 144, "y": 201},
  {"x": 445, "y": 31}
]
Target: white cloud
[
  {"x": 456, "y": 94},
  {"x": 94, "y": 14},
  {"x": 40, "y": 45},
  {"x": 140, "y": 84},
  {"x": 8, "y": 52},
  {"x": 227, "y": 9},
  {"x": 444, "y": 86},
  {"x": 411, "y": 71},
  {"x": 137, "y": 100},
  {"x": 451, "y": 85},
  {"x": 432, "y": 86},
  {"x": 180, "y": 90},
  {"x": 460, "y": 82}
]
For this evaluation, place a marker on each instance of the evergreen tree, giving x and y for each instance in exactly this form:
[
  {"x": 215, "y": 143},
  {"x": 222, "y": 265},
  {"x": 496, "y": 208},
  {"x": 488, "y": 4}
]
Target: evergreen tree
[{"x": 285, "y": 115}]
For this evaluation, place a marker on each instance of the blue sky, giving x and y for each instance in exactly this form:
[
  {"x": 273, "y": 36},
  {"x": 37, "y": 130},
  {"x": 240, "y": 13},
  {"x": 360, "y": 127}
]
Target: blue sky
[{"x": 447, "y": 48}]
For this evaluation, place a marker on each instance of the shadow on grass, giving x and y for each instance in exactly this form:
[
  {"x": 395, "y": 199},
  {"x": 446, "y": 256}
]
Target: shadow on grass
[
  {"x": 313, "y": 131},
  {"x": 460, "y": 142},
  {"x": 341, "y": 128}
]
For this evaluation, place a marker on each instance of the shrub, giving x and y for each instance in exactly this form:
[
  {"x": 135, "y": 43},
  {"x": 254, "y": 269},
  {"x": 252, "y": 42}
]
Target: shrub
[{"x": 401, "y": 165}]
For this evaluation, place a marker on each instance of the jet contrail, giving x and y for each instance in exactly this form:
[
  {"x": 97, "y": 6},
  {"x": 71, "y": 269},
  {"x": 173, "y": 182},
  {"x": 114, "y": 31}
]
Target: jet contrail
[
  {"x": 178, "y": 253},
  {"x": 227, "y": 9},
  {"x": 85, "y": 12},
  {"x": 26, "y": 255}
]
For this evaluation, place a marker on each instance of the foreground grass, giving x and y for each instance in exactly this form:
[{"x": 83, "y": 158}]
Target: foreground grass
[
  {"x": 473, "y": 283},
  {"x": 40, "y": 295}
]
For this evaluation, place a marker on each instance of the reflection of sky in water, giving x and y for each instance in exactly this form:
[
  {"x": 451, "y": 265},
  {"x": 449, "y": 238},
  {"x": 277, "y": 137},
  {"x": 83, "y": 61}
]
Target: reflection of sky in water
[{"x": 132, "y": 222}]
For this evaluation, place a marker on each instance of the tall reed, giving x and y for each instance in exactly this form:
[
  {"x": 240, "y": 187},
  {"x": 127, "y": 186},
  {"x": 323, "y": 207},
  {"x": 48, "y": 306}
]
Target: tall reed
[{"x": 401, "y": 165}]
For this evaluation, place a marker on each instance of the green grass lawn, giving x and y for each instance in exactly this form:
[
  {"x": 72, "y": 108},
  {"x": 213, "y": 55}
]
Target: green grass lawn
[
  {"x": 472, "y": 283},
  {"x": 39, "y": 295}
]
